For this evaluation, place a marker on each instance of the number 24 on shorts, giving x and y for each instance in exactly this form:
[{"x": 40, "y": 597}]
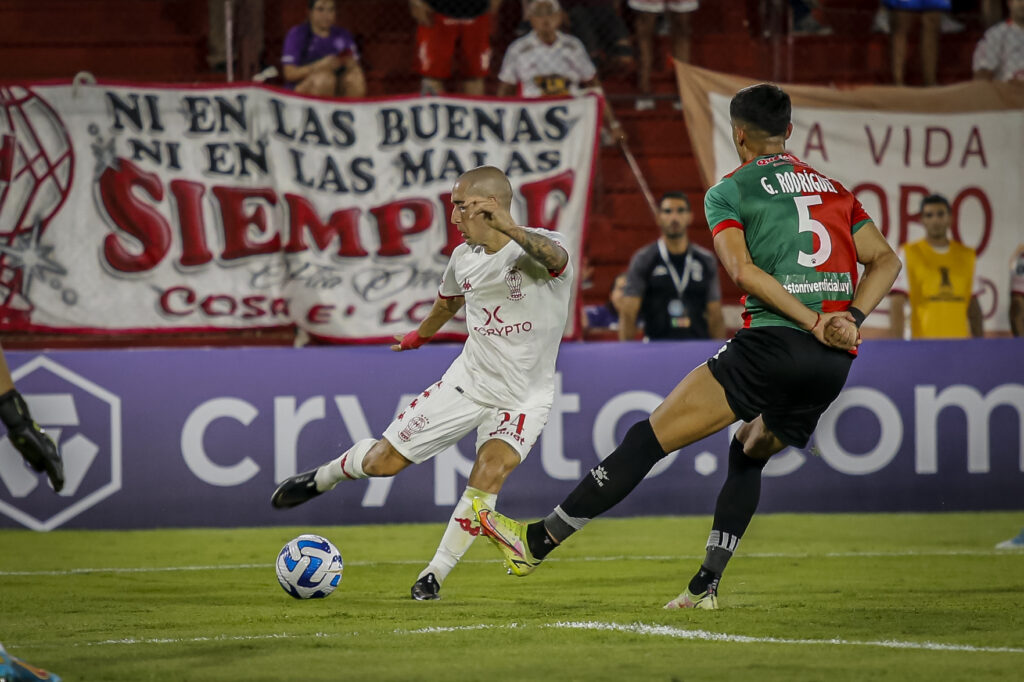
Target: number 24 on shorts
[{"x": 507, "y": 420}]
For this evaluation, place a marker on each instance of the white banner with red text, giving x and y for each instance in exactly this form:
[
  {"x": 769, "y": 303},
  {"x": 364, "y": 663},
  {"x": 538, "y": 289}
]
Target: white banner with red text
[
  {"x": 145, "y": 208},
  {"x": 892, "y": 147}
]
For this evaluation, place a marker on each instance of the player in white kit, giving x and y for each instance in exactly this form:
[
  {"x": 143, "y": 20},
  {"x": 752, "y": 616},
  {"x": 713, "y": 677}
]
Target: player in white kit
[{"x": 515, "y": 283}]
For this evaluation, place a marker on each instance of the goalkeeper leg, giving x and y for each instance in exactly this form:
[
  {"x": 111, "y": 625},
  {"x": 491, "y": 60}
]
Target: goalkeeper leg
[{"x": 29, "y": 439}]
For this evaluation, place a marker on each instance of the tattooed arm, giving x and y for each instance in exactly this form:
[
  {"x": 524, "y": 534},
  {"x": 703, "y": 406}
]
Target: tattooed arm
[{"x": 542, "y": 249}]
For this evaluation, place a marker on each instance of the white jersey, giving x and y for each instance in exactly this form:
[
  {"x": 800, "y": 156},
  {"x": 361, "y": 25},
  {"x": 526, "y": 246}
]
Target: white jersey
[
  {"x": 1001, "y": 50},
  {"x": 545, "y": 70},
  {"x": 1017, "y": 272},
  {"x": 516, "y": 312}
]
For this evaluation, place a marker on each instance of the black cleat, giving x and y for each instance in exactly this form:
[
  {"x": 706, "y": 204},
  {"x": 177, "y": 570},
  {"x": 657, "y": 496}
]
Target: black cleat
[
  {"x": 426, "y": 588},
  {"x": 295, "y": 490}
]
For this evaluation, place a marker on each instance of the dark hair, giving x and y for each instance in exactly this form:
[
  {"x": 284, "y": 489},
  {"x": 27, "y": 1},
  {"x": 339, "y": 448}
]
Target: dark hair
[
  {"x": 764, "y": 106},
  {"x": 935, "y": 199},
  {"x": 681, "y": 196},
  {"x": 307, "y": 41}
]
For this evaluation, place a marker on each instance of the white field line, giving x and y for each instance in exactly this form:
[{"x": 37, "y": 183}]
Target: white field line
[
  {"x": 705, "y": 635},
  {"x": 131, "y": 641},
  {"x": 573, "y": 559},
  {"x": 668, "y": 631},
  {"x": 642, "y": 629}
]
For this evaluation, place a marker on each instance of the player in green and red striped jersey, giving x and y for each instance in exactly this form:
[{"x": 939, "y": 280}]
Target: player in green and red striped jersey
[
  {"x": 791, "y": 238},
  {"x": 798, "y": 226}
]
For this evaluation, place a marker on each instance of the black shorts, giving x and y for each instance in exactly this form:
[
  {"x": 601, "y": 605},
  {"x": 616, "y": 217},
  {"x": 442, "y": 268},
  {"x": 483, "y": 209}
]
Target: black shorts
[{"x": 783, "y": 374}]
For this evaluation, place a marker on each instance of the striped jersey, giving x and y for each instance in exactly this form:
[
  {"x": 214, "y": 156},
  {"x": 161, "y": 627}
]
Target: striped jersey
[{"x": 799, "y": 227}]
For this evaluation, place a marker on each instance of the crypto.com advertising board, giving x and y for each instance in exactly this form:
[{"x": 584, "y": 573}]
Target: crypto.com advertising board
[
  {"x": 141, "y": 208},
  {"x": 155, "y": 438}
]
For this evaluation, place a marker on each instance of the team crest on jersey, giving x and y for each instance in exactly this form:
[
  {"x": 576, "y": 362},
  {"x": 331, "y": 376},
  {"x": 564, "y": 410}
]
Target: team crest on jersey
[
  {"x": 514, "y": 280},
  {"x": 415, "y": 425},
  {"x": 466, "y": 286}
]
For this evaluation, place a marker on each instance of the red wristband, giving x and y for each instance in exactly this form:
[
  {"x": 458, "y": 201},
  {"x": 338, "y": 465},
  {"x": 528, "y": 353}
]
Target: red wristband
[
  {"x": 413, "y": 340},
  {"x": 815, "y": 323}
]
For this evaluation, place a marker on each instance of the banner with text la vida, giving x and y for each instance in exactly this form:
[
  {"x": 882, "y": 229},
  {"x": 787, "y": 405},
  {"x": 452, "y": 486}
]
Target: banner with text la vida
[
  {"x": 891, "y": 160},
  {"x": 156, "y": 209}
]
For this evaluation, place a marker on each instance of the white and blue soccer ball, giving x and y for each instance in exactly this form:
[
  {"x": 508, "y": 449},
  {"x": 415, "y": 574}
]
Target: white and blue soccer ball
[{"x": 309, "y": 567}]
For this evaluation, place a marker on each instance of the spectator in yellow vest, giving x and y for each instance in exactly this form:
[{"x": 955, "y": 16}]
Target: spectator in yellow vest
[{"x": 938, "y": 280}]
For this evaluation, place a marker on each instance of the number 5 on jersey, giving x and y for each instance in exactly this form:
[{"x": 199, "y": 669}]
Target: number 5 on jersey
[{"x": 809, "y": 224}]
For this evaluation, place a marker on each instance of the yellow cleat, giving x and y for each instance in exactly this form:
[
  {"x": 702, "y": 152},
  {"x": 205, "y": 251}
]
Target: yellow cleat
[
  {"x": 509, "y": 536},
  {"x": 688, "y": 600}
]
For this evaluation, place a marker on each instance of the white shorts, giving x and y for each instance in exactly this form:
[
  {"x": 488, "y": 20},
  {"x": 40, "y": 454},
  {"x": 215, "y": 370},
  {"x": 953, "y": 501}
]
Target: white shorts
[
  {"x": 442, "y": 415},
  {"x": 660, "y": 6}
]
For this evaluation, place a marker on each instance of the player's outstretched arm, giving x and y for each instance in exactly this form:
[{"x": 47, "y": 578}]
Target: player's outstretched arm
[
  {"x": 545, "y": 251},
  {"x": 881, "y": 266},
  {"x": 442, "y": 311}
]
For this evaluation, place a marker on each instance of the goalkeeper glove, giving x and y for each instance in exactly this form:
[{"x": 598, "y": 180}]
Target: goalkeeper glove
[{"x": 29, "y": 439}]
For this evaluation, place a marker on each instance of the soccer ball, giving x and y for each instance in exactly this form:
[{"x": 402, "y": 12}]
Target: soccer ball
[{"x": 309, "y": 567}]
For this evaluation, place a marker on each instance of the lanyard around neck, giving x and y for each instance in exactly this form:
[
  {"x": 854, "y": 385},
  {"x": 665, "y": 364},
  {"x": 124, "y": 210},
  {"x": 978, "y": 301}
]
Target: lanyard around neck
[{"x": 680, "y": 281}]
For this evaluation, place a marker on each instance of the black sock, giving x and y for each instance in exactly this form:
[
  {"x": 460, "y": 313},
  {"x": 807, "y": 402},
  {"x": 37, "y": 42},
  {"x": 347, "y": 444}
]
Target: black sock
[
  {"x": 538, "y": 540},
  {"x": 703, "y": 580},
  {"x": 740, "y": 493},
  {"x": 609, "y": 482},
  {"x": 736, "y": 505}
]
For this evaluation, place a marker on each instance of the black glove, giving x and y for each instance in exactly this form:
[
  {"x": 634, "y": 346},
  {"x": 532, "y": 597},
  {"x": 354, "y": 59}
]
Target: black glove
[{"x": 35, "y": 446}]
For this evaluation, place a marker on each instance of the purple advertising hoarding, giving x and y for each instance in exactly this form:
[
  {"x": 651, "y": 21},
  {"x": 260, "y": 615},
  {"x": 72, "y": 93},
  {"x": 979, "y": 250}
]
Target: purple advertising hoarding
[{"x": 199, "y": 437}]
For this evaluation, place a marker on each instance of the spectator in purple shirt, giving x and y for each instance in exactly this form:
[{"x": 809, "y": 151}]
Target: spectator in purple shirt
[{"x": 320, "y": 58}]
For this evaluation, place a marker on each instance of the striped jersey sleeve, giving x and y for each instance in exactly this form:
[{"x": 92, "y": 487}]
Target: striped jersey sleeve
[
  {"x": 722, "y": 206},
  {"x": 858, "y": 216}
]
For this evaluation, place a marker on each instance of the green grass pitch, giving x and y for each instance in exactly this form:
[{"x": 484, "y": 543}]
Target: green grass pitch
[{"x": 808, "y": 597}]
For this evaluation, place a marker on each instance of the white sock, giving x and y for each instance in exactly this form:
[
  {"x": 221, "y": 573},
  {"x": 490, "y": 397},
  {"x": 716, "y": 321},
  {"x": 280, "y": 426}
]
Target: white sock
[
  {"x": 348, "y": 467},
  {"x": 459, "y": 535}
]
